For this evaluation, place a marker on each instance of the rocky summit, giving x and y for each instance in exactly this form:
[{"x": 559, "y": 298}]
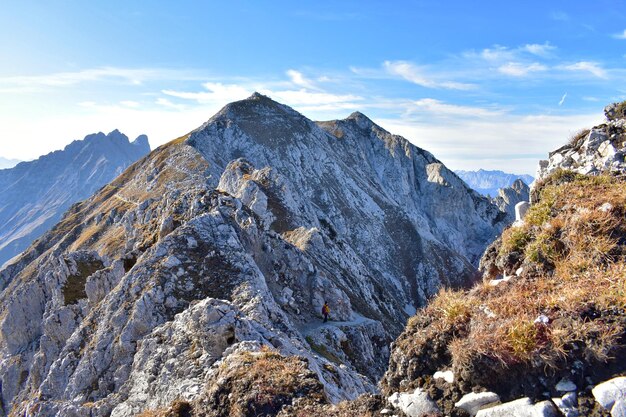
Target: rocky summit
[
  {"x": 196, "y": 278},
  {"x": 34, "y": 195}
]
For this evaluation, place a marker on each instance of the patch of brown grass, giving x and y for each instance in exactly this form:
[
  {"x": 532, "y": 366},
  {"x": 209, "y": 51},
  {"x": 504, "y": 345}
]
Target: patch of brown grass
[{"x": 574, "y": 262}]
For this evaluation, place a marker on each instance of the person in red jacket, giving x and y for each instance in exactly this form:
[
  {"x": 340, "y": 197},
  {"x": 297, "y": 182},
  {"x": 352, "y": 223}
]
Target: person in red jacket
[{"x": 325, "y": 311}]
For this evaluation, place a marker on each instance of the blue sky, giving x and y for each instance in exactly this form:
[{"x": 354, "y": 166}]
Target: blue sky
[{"x": 488, "y": 84}]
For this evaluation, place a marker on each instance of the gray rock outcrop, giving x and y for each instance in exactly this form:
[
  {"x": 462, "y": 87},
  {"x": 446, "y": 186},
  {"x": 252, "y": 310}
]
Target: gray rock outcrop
[
  {"x": 600, "y": 149},
  {"x": 509, "y": 197},
  {"x": 229, "y": 240}
]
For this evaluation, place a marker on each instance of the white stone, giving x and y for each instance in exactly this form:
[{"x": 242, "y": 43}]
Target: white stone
[
  {"x": 521, "y": 209},
  {"x": 414, "y": 405},
  {"x": 565, "y": 385},
  {"x": 607, "y": 393},
  {"x": 520, "y": 408},
  {"x": 474, "y": 401},
  {"x": 606, "y": 207},
  {"x": 619, "y": 408},
  {"x": 567, "y": 404},
  {"x": 447, "y": 376}
]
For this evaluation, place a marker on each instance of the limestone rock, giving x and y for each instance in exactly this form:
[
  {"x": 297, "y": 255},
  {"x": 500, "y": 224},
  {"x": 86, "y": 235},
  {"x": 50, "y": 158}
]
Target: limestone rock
[
  {"x": 475, "y": 401},
  {"x": 609, "y": 392},
  {"x": 601, "y": 149},
  {"x": 508, "y": 198},
  {"x": 416, "y": 404},
  {"x": 520, "y": 408}
]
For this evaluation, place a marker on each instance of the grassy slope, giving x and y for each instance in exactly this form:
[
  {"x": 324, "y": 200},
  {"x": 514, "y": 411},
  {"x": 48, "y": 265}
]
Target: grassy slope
[{"x": 572, "y": 254}]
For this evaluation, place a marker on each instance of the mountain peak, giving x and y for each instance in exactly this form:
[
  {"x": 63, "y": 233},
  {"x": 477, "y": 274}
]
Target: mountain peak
[
  {"x": 361, "y": 120},
  {"x": 142, "y": 142}
]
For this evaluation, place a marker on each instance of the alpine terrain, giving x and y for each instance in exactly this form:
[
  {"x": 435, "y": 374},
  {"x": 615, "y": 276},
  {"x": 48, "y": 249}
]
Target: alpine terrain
[
  {"x": 34, "y": 195},
  {"x": 489, "y": 182},
  {"x": 193, "y": 283},
  {"x": 544, "y": 333}
]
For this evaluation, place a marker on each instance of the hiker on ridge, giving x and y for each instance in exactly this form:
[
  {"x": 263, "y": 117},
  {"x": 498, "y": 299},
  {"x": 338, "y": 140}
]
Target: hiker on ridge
[{"x": 325, "y": 311}]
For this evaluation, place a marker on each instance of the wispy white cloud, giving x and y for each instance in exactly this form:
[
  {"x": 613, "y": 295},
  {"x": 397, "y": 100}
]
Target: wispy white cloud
[
  {"x": 297, "y": 78},
  {"x": 124, "y": 76},
  {"x": 542, "y": 50},
  {"x": 301, "y": 98},
  {"x": 620, "y": 35},
  {"x": 439, "y": 108},
  {"x": 562, "y": 99},
  {"x": 518, "y": 69},
  {"x": 418, "y": 75},
  {"x": 507, "y": 141},
  {"x": 214, "y": 92},
  {"x": 587, "y": 66}
]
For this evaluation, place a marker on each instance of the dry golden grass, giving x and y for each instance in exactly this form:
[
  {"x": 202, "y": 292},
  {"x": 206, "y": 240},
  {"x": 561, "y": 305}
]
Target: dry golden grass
[{"x": 577, "y": 253}]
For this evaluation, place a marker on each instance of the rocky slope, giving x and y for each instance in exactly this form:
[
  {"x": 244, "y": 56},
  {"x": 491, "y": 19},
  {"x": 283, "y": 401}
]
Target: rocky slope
[
  {"x": 208, "y": 261},
  {"x": 34, "y": 195},
  {"x": 489, "y": 182},
  {"x": 591, "y": 151},
  {"x": 546, "y": 328}
]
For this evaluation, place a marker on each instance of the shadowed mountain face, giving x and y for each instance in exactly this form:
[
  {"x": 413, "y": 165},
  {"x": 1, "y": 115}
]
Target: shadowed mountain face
[
  {"x": 34, "y": 195},
  {"x": 229, "y": 240}
]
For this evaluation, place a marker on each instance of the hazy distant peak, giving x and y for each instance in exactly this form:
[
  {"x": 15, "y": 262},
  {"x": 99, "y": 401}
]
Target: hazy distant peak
[{"x": 142, "y": 142}]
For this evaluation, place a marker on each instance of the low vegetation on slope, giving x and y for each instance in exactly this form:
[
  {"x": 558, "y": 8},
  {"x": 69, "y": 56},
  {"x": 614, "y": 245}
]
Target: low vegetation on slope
[{"x": 559, "y": 306}]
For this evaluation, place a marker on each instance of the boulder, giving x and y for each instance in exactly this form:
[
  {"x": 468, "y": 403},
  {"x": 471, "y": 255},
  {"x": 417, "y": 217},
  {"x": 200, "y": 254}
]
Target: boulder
[
  {"x": 416, "y": 404},
  {"x": 609, "y": 392},
  {"x": 520, "y": 408},
  {"x": 475, "y": 401}
]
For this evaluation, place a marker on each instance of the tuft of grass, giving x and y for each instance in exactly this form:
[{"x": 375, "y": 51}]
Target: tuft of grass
[
  {"x": 514, "y": 239},
  {"x": 577, "y": 138},
  {"x": 451, "y": 307},
  {"x": 521, "y": 337}
]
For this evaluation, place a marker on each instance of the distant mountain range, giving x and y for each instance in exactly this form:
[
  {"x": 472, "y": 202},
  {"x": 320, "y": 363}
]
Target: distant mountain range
[
  {"x": 34, "y": 195},
  {"x": 489, "y": 182},
  {"x": 8, "y": 163}
]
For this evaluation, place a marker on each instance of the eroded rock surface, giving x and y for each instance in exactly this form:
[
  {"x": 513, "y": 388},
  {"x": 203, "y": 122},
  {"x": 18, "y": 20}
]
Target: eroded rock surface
[{"x": 227, "y": 242}]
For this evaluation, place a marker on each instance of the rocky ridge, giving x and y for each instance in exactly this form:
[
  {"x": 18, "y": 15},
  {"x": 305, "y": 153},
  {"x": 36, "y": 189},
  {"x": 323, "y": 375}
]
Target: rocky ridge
[
  {"x": 36, "y": 194},
  {"x": 591, "y": 151},
  {"x": 215, "y": 253}
]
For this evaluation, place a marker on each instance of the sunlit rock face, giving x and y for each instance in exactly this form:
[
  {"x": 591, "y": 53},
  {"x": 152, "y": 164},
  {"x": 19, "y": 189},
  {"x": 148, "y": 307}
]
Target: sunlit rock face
[{"x": 230, "y": 239}]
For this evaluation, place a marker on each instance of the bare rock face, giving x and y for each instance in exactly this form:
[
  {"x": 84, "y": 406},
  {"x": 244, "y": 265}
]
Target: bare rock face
[{"x": 229, "y": 240}]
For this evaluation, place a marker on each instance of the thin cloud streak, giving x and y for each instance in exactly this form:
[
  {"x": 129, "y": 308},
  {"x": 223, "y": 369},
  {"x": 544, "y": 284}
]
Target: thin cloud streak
[
  {"x": 620, "y": 35},
  {"x": 417, "y": 75}
]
